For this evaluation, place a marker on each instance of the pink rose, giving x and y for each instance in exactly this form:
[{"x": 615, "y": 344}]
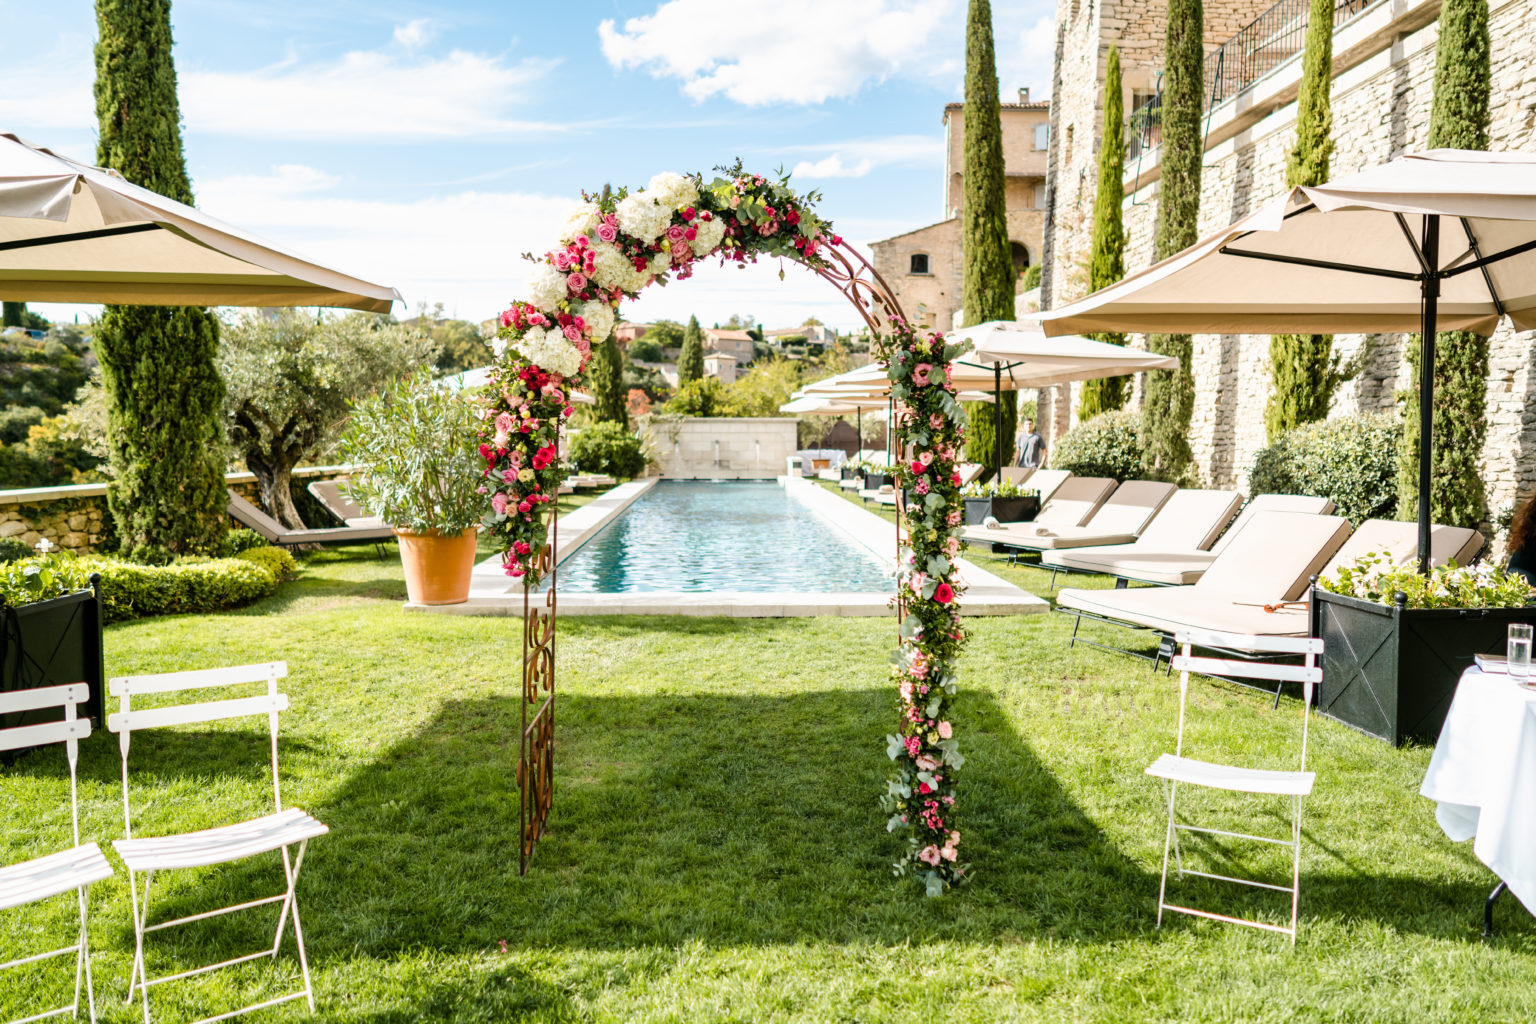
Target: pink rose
[
  {"x": 948, "y": 853},
  {"x": 521, "y": 547},
  {"x": 690, "y": 233},
  {"x": 936, "y": 421},
  {"x": 582, "y": 241},
  {"x": 918, "y": 467},
  {"x": 926, "y": 458},
  {"x": 946, "y": 730},
  {"x": 504, "y": 423},
  {"x": 675, "y": 233},
  {"x": 524, "y": 507},
  {"x": 572, "y": 332},
  {"x": 953, "y": 518},
  {"x": 944, "y": 593},
  {"x": 926, "y": 763},
  {"x": 499, "y": 503},
  {"x": 576, "y": 281},
  {"x": 562, "y": 260},
  {"x": 607, "y": 232},
  {"x": 920, "y": 373},
  {"x": 929, "y": 855}
]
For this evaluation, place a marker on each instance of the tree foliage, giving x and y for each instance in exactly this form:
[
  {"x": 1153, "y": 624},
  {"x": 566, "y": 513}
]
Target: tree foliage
[
  {"x": 291, "y": 377},
  {"x": 690, "y": 363},
  {"x": 459, "y": 343},
  {"x": 988, "y": 286},
  {"x": 766, "y": 386},
  {"x": 981, "y": 434},
  {"x": 644, "y": 350},
  {"x": 1107, "y": 260},
  {"x": 606, "y": 375},
  {"x": 167, "y": 494},
  {"x": 1170, "y": 394},
  {"x": 1458, "y": 119}
]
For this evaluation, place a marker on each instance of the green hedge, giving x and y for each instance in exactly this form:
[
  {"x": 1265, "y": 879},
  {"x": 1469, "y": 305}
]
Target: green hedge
[
  {"x": 130, "y": 590},
  {"x": 280, "y": 563},
  {"x": 607, "y": 448},
  {"x": 1107, "y": 445},
  {"x": 1352, "y": 460}
]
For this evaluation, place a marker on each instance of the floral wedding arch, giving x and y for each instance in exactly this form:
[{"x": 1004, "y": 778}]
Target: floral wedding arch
[{"x": 613, "y": 246}]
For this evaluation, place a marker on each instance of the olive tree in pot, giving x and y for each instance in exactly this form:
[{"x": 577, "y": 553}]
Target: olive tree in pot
[{"x": 416, "y": 442}]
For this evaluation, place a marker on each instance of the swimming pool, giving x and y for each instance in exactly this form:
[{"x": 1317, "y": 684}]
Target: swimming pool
[{"x": 741, "y": 536}]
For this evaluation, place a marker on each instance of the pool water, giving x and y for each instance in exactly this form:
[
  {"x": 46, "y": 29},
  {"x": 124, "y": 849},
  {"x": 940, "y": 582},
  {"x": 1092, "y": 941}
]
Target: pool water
[{"x": 732, "y": 536}]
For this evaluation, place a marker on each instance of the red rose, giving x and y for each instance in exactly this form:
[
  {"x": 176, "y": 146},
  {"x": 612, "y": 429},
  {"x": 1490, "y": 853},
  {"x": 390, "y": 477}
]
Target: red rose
[
  {"x": 918, "y": 467},
  {"x": 944, "y": 593}
]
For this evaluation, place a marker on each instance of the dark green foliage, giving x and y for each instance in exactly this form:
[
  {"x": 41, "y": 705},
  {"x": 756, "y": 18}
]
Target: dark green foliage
[
  {"x": 988, "y": 288},
  {"x": 1303, "y": 370},
  {"x": 606, "y": 374},
  {"x": 1107, "y": 445},
  {"x": 1107, "y": 259},
  {"x": 276, "y": 561},
  {"x": 1031, "y": 279},
  {"x": 645, "y": 350},
  {"x": 1349, "y": 460},
  {"x": 459, "y": 344},
  {"x": 1458, "y": 119},
  {"x": 12, "y": 314},
  {"x": 133, "y": 591},
  {"x": 238, "y": 540},
  {"x": 1170, "y": 395},
  {"x": 44, "y": 373},
  {"x": 703, "y": 397},
  {"x": 13, "y": 550},
  {"x": 690, "y": 363},
  {"x": 651, "y": 382},
  {"x": 610, "y": 448},
  {"x": 980, "y": 436},
  {"x": 157, "y": 363}
]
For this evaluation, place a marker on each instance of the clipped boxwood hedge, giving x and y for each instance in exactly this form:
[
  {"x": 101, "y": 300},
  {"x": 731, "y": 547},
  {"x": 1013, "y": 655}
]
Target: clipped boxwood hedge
[
  {"x": 1109, "y": 445},
  {"x": 1352, "y": 460},
  {"x": 280, "y": 563}
]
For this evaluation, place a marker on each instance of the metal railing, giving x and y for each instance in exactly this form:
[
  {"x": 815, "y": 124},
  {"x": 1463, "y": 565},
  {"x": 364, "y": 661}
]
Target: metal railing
[{"x": 1265, "y": 43}]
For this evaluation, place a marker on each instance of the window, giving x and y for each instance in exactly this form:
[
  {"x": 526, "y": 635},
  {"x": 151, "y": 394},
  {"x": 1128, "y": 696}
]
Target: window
[
  {"x": 1020, "y": 258},
  {"x": 1042, "y": 136},
  {"x": 918, "y": 263},
  {"x": 1039, "y": 197}
]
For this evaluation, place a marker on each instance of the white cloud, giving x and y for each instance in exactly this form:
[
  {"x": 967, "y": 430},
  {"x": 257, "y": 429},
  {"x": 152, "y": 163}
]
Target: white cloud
[
  {"x": 795, "y": 51},
  {"x": 414, "y": 34},
  {"x": 832, "y": 167},
  {"x": 857, "y": 157},
  {"x": 1026, "y": 49},
  {"x": 50, "y": 90}
]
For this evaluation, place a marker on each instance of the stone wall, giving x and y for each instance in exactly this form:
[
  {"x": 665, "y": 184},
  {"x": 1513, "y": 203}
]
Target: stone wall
[
  {"x": 1381, "y": 108},
  {"x": 732, "y": 448}
]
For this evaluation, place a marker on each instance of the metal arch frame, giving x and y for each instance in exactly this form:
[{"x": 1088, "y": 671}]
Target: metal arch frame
[{"x": 847, "y": 270}]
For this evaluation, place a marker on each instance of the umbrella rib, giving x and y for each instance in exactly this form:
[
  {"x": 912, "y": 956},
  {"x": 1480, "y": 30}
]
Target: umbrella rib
[
  {"x": 1305, "y": 261},
  {"x": 1503, "y": 254},
  {"x": 1418, "y": 253},
  {"x": 1498, "y": 303},
  {"x": 78, "y": 236}
]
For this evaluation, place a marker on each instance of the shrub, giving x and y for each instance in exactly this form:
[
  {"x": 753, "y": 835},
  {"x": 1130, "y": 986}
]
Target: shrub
[
  {"x": 13, "y": 550},
  {"x": 1351, "y": 460},
  {"x": 607, "y": 448},
  {"x": 130, "y": 590},
  {"x": 236, "y": 541},
  {"x": 279, "y": 563},
  {"x": 705, "y": 396},
  {"x": 1107, "y": 445}
]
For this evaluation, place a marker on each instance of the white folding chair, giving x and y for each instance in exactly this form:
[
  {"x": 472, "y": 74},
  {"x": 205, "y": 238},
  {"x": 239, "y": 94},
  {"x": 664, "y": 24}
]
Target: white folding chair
[
  {"x": 57, "y": 873},
  {"x": 1175, "y": 769},
  {"x": 281, "y": 830}
]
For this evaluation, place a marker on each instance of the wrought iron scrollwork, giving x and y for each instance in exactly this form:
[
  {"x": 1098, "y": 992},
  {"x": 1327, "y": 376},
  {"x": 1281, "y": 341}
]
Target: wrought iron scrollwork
[{"x": 536, "y": 764}]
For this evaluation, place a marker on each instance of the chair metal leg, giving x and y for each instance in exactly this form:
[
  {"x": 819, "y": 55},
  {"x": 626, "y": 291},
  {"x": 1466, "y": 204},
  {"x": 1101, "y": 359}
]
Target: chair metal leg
[
  {"x": 84, "y": 962},
  {"x": 140, "y": 975},
  {"x": 1168, "y": 841},
  {"x": 1295, "y": 860},
  {"x": 1498, "y": 890}
]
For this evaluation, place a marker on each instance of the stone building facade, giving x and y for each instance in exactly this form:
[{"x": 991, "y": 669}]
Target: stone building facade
[
  {"x": 1382, "y": 89},
  {"x": 924, "y": 266}
]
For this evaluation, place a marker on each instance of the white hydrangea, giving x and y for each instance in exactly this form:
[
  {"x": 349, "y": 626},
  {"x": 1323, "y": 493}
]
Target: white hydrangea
[
  {"x": 610, "y": 267},
  {"x": 673, "y": 190},
  {"x": 546, "y": 287},
  {"x": 498, "y": 345},
  {"x": 548, "y": 350},
  {"x": 582, "y": 221},
  {"x": 661, "y": 263},
  {"x": 641, "y": 216},
  {"x": 599, "y": 319},
  {"x": 709, "y": 235}
]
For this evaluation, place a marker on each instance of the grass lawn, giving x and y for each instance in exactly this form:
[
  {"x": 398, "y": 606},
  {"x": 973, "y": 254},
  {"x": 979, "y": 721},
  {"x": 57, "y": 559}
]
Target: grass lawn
[{"x": 715, "y": 850}]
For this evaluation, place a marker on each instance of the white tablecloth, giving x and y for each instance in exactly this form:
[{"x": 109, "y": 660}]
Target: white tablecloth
[{"x": 1483, "y": 776}]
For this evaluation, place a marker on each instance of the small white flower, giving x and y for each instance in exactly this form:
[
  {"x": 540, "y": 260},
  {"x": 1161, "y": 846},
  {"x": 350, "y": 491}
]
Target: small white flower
[{"x": 44, "y": 546}]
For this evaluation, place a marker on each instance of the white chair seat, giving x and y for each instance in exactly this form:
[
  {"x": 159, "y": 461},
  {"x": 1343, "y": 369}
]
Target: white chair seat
[
  {"x": 219, "y": 845},
  {"x": 41, "y": 877},
  {"x": 1241, "y": 780}
]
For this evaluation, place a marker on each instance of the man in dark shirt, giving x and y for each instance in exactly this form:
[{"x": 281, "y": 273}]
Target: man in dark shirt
[{"x": 1031, "y": 447}]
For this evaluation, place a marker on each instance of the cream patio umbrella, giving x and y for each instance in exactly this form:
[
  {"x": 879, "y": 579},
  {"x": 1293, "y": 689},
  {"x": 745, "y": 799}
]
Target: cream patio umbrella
[
  {"x": 1443, "y": 240},
  {"x": 70, "y": 232}
]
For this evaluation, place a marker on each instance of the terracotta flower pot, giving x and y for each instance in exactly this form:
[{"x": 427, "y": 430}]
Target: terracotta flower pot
[{"x": 437, "y": 567}]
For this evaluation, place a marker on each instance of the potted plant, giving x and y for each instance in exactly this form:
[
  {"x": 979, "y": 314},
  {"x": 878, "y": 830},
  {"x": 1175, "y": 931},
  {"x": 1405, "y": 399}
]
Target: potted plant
[
  {"x": 52, "y": 632},
  {"x": 422, "y": 474},
  {"x": 1004, "y": 501},
  {"x": 1395, "y": 642},
  {"x": 877, "y": 475}
]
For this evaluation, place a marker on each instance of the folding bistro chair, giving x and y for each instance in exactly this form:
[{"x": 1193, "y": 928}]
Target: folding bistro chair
[
  {"x": 54, "y": 874},
  {"x": 1175, "y": 769},
  {"x": 281, "y": 830}
]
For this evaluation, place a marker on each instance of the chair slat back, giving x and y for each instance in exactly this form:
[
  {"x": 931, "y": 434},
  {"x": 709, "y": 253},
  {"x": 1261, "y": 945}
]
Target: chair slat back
[
  {"x": 69, "y": 732},
  {"x": 1309, "y": 673},
  {"x": 127, "y": 719}
]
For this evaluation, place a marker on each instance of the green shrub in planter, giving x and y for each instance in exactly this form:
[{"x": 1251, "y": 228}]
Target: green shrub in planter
[
  {"x": 607, "y": 448},
  {"x": 281, "y": 564},
  {"x": 1107, "y": 445},
  {"x": 1351, "y": 460}
]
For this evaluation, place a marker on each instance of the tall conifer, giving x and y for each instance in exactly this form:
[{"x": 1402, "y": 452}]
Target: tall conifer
[
  {"x": 607, "y": 373},
  {"x": 1170, "y": 394},
  {"x": 163, "y": 388},
  {"x": 1458, "y": 120},
  {"x": 1107, "y": 260},
  {"x": 690, "y": 361}
]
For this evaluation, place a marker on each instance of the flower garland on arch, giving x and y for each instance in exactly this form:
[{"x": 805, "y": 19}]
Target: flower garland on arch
[
  {"x": 612, "y": 246},
  {"x": 921, "y": 797}
]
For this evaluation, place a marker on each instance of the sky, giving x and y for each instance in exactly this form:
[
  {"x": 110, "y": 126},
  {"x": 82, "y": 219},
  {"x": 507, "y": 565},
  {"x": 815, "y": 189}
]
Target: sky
[{"x": 428, "y": 145}]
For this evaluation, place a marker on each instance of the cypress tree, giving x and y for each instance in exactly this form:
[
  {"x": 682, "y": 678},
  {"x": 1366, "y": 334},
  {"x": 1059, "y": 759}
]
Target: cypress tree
[
  {"x": 607, "y": 373},
  {"x": 157, "y": 363},
  {"x": 1170, "y": 394},
  {"x": 980, "y": 436},
  {"x": 1303, "y": 376},
  {"x": 690, "y": 362},
  {"x": 1107, "y": 259},
  {"x": 1458, "y": 119},
  {"x": 13, "y": 314},
  {"x": 988, "y": 287}
]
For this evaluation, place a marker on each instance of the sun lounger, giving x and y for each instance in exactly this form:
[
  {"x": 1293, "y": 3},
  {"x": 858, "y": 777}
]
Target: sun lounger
[
  {"x": 1046, "y": 481},
  {"x": 969, "y": 472},
  {"x": 1400, "y": 542},
  {"x": 251, "y": 517},
  {"x": 1166, "y": 555},
  {"x": 330, "y": 494},
  {"x": 1190, "y": 521},
  {"x": 1255, "y": 587},
  {"x": 1076, "y": 503}
]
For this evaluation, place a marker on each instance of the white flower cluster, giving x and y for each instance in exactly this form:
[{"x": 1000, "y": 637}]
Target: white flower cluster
[
  {"x": 582, "y": 221},
  {"x": 661, "y": 263},
  {"x": 710, "y": 233},
  {"x": 548, "y": 350},
  {"x": 642, "y": 217},
  {"x": 673, "y": 190},
  {"x": 546, "y": 288},
  {"x": 599, "y": 319},
  {"x": 612, "y": 269}
]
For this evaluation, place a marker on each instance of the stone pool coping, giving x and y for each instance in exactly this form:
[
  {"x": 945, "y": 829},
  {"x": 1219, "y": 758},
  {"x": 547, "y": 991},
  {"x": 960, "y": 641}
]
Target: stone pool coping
[{"x": 491, "y": 592}]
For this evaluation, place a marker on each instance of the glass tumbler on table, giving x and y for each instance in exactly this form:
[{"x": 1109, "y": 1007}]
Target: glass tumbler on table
[{"x": 1520, "y": 653}]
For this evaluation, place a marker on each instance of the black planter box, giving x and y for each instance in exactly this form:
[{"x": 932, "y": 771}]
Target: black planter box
[
  {"x": 847, "y": 474},
  {"x": 1391, "y": 671},
  {"x": 875, "y": 481},
  {"x": 1004, "y": 510},
  {"x": 53, "y": 643}
]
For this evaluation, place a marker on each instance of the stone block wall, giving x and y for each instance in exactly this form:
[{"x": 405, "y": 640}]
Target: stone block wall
[{"x": 722, "y": 448}]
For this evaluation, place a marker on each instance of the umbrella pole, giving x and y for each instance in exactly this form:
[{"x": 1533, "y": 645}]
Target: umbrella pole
[
  {"x": 997, "y": 414},
  {"x": 859, "y": 412},
  {"x": 1431, "y": 291}
]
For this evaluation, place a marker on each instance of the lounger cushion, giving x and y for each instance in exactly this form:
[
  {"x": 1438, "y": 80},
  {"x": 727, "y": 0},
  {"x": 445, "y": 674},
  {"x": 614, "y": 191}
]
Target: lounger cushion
[
  {"x": 1169, "y": 609},
  {"x": 1400, "y": 541},
  {"x": 1190, "y": 520},
  {"x": 1046, "y": 481},
  {"x": 1172, "y": 567},
  {"x": 1075, "y": 501},
  {"x": 1275, "y": 556},
  {"x": 1043, "y": 538},
  {"x": 1272, "y": 503}
]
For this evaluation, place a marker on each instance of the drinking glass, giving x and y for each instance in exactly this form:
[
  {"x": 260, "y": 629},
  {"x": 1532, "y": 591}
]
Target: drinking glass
[{"x": 1520, "y": 652}]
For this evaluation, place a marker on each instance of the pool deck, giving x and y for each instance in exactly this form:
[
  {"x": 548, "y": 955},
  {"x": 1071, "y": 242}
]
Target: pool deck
[{"x": 491, "y": 592}]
